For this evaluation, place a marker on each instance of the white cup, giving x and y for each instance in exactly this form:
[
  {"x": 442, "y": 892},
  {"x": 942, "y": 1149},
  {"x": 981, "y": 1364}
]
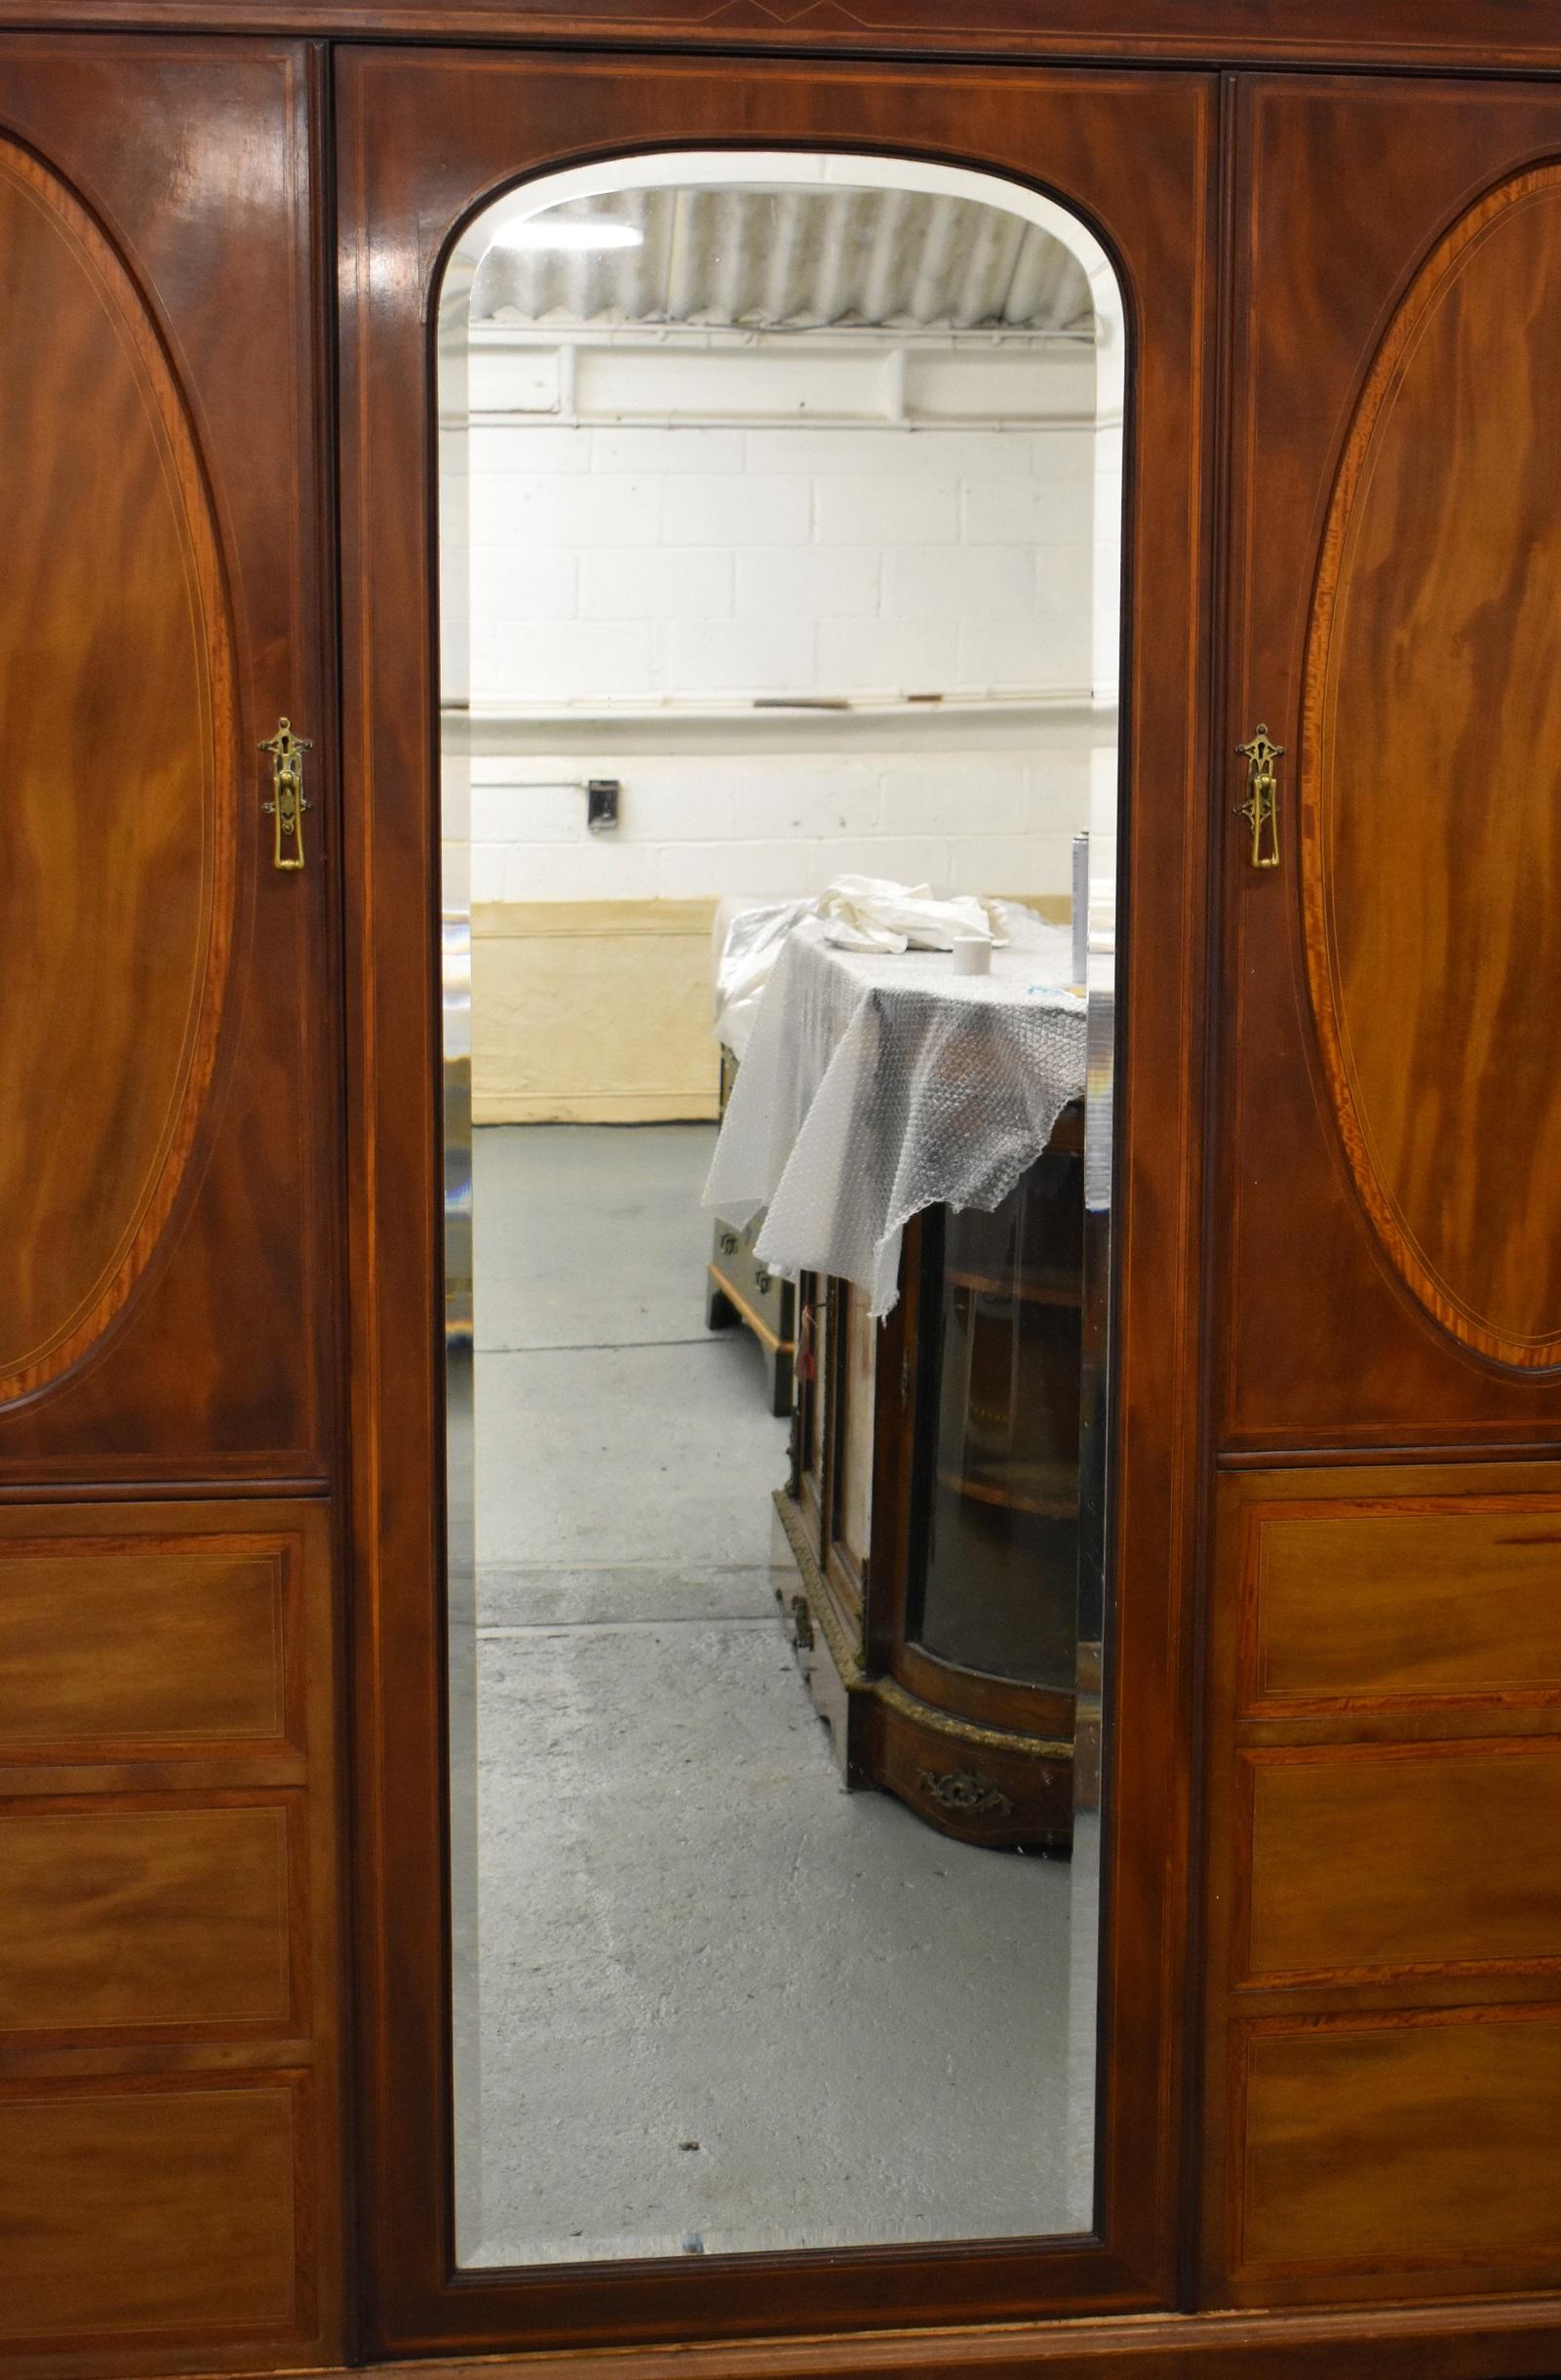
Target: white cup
[{"x": 972, "y": 954}]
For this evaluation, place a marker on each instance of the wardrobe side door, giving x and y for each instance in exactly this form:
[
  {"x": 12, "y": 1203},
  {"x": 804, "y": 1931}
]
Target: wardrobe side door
[
  {"x": 1385, "y": 1959},
  {"x": 165, "y": 1201},
  {"x": 170, "y": 2078}
]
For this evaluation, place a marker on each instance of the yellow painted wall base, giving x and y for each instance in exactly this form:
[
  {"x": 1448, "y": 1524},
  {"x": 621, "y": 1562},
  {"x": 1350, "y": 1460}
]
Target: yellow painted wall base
[{"x": 593, "y": 1012}]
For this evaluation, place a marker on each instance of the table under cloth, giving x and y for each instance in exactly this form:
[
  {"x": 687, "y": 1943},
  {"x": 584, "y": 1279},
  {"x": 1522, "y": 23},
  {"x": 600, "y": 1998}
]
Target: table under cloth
[{"x": 874, "y": 1087}]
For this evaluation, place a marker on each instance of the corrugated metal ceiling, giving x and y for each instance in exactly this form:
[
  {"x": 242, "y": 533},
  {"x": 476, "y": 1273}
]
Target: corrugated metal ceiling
[{"x": 795, "y": 259}]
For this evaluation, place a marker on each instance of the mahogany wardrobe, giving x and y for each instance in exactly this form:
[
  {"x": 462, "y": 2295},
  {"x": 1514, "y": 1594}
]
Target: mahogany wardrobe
[{"x": 1328, "y": 2117}]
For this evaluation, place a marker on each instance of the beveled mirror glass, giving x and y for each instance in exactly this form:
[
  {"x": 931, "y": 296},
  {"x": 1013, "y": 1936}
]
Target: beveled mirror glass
[{"x": 780, "y": 511}]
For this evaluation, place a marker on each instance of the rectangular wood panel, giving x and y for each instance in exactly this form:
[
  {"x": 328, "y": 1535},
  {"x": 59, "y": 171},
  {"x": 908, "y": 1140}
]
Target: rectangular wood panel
[
  {"x": 1420, "y": 1601},
  {"x": 164, "y": 2209},
  {"x": 169, "y": 2082},
  {"x": 215, "y": 1362},
  {"x": 1394, "y": 1860},
  {"x": 1350, "y": 1261},
  {"x": 138, "y": 1643},
  {"x": 149, "y": 1916},
  {"x": 1365, "y": 2147},
  {"x": 1383, "y": 1976}
]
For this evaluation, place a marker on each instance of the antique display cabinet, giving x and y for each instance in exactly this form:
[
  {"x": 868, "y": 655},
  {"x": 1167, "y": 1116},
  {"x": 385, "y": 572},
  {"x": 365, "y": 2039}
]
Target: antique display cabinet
[
  {"x": 1322, "y": 1744},
  {"x": 933, "y": 1518}
]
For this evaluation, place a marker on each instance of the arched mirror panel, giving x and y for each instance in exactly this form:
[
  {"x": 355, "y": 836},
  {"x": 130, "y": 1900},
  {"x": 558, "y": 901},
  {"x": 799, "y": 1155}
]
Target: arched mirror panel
[{"x": 780, "y": 503}]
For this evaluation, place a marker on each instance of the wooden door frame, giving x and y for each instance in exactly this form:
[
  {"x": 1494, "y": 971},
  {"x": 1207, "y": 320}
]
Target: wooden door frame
[{"x": 427, "y": 138}]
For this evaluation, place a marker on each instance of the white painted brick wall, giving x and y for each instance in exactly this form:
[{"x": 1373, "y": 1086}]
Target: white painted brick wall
[
  {"x": 700, "y": 824},
  {"x": 613, "y": 565}
]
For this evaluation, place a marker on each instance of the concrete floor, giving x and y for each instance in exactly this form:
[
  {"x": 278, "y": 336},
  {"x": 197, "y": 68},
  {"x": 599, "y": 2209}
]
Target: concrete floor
[{"x": 718, "y": 2003}]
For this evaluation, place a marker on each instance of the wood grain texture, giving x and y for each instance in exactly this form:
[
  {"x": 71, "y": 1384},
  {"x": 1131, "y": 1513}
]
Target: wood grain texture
[
  {"x": 151, "y": 2207},
  {"x": 1404, "y": 1602},
  {"x": 1375, "y": 2148},
  {"x": 165, "y": 1176},
  {"x": 1383, "y": 1938},
  {"x": 1513, "y": 2341},
  {"x": 1430, "y": 825},
  {"x": 1319, "y": 1299},
  {"x": 147, "y": 1915},
  {"x": 913, "y": 1748},
  {"x": 1479, "y": 36},
  {"x": 1386, "y": 1860},
  {"x": 425, "y": 140},
  {"x": 171, "y": 2181},
  {"x": 170, "y": 2118},
  {"x": 1324, "y": 1345},
  {"x": 172, "y": 1642},
  {"x": 116, "y": 689}
]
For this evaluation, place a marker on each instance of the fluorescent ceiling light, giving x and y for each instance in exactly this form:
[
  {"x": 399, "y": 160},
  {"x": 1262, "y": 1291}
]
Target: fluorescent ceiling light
[{"x": 563, "y": 232}]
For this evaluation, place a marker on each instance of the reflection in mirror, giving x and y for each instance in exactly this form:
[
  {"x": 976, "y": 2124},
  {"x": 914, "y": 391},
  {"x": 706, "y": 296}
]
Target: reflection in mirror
[{"x": 780, "y": 503}]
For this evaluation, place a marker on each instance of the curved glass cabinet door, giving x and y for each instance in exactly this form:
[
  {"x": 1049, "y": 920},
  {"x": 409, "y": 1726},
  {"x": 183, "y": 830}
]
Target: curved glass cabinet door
[{"x": 999, "y": 1585}]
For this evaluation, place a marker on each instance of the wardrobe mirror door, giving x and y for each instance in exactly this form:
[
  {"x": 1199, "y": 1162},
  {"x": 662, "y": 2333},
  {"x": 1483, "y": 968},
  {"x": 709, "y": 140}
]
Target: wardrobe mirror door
[{"x": 780, "y": 503}]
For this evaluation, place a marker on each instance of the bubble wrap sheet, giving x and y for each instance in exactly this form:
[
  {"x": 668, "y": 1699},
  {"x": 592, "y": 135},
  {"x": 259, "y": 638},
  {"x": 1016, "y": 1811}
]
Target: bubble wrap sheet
[{"x": 874, "y": 1087}]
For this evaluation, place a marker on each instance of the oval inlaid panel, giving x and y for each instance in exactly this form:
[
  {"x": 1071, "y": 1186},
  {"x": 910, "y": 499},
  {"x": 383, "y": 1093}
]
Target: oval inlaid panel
[
  {"x": 116, "y": 768},
  {"x": 1431, "y": 782}
]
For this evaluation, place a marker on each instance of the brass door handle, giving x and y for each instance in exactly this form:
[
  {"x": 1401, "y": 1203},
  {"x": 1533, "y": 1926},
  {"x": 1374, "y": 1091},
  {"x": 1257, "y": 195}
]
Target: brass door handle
[
  {"x": 287, "y": 802},
  {"x": 1261, "y": 804}
]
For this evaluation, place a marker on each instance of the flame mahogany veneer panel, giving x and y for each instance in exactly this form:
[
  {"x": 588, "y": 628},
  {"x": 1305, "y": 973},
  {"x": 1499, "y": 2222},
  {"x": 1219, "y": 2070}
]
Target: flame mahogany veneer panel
[
  {"x": 166, "y": 1204},
  {"x": 1392, "y": 1204},
  {"x": 113, "y": 580},
  {"x": 1430, "y": 832}
]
